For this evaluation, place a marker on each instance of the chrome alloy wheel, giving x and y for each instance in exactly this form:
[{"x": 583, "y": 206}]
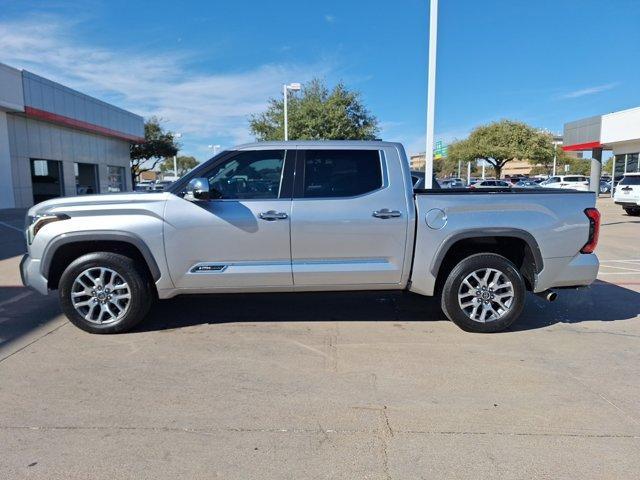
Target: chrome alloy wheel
[
  {"x": 486, "y": 295},
  {"x": 100, "y": 295}
]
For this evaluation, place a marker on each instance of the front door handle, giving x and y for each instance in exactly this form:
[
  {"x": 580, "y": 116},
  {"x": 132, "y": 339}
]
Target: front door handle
[
  {"x": 386, "y": 213},
  {"x": 273, "y": 215}
]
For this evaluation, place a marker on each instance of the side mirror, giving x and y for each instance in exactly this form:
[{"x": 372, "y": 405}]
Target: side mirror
[{"x": 198, "y": 189}]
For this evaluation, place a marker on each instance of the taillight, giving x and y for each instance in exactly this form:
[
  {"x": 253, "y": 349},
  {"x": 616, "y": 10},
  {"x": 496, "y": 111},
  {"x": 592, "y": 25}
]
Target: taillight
[{"x": 594, "y": 230}]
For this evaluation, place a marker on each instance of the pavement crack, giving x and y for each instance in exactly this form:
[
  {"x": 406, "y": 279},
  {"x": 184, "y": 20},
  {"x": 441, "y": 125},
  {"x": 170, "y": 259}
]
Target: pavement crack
[
  {"x": 381, "y": 433},
  {"x": 55, "y": 329}
]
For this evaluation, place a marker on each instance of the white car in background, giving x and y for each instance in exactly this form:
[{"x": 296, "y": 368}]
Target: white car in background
[
  {"x": 490, "y": 184},
  {"x": 627, "y": 193},
  {"x": 574, "y": 182}
]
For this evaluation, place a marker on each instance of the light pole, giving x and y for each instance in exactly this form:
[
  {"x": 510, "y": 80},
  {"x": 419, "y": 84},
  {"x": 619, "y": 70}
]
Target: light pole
[
  {"x": 431, "y": 92},
  {"x": 215, "y": 149},
  {"x": 557, "y": 140},
  {"x": 294, "y": 87},
  {"x": 175, "y": 158}
]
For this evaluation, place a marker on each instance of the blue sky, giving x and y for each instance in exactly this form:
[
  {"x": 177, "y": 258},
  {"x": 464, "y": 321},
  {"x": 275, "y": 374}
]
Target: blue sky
[{"x": 205, "y": 66}]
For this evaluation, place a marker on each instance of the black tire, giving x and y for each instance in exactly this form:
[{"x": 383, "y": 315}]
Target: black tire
[
  {"x": 634, "y": 212},
  {"x": 451, "y": 306},
  {"x": 140, "y": 290}
]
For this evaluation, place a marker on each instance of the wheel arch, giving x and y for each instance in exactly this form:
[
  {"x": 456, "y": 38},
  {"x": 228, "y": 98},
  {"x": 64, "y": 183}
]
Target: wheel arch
[
  {"x": 65, "y": 248},
  {"x": 517, "y": 245}
]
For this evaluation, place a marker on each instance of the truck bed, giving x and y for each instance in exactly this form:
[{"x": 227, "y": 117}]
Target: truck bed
[{"x": 551, "y": 221}]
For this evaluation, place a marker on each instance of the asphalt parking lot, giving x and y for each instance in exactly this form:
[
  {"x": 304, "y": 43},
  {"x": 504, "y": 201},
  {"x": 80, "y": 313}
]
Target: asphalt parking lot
[{"x": 373, "y": 386}]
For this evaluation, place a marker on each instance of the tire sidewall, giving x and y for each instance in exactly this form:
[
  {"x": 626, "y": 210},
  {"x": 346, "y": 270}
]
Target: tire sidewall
[
  {"x": 125, "y": 267},
  {"x": 470, "y": 264}
]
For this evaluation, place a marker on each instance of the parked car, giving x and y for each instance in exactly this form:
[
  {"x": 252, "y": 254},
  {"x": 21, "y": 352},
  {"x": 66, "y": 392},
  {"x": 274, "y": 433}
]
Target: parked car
[
  {"x": 418, "y": 181},
  {"x": 143, "y": 186},
  {"x": 627, "y": 193},
  {"x": 452, "y": 183},
  {"x": 335, "y": 217},
  {"x": 605, "y": 186},
  {"x": 161, "y": 185},
  {"x": 491, "y": 184},
  {"x": 573, "y": 182},
  {"x": 527, "y": 184}
]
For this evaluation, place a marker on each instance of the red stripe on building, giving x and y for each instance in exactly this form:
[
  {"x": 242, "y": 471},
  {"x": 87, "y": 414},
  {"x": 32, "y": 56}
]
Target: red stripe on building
[
  {"x": 581, "y": 146},
  {"x": 79, "y": 124}
]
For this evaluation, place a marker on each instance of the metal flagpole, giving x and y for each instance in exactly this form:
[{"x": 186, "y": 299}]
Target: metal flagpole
[{"x": 431, "y": 92}]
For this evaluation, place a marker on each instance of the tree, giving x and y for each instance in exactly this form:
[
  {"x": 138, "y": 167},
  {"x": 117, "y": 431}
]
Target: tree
[
  {"x": 577, "y": 166},
  {"x": 184, "y": 164},
  {"x": 317, "y": 114},
  {"x": 501, "y": 142},
  {"x": 158, "y": 144}
]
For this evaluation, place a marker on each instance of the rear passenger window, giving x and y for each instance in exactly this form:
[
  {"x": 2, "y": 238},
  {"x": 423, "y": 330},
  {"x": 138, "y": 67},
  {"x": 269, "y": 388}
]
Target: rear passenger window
[{"x": 341, "y": 173}]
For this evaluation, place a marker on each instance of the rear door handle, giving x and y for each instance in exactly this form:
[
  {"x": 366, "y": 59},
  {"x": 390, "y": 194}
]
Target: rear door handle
[
  {"x": 386, "y": 213},
  {"x": 273, "y": 215}
]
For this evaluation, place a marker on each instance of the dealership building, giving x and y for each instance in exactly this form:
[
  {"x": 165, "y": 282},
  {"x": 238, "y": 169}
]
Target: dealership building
[
  {"x": 617, "y": 131},
  {"x": 55, "y": 141}
]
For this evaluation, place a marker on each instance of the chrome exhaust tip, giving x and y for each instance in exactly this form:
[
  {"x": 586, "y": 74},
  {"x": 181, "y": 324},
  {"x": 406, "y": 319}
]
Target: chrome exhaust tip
[{"x": 548, "y": 295}]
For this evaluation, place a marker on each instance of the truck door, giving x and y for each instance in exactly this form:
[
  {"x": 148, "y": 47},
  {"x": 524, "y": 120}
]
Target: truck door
[
  {"x": 349, "y": 219},
  {"x": 240, "y": 241}
]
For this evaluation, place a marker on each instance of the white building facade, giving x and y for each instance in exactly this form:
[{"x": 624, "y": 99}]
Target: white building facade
[
  {"x": 55, "y": 141},
  {"x": 617, "y": 131}
]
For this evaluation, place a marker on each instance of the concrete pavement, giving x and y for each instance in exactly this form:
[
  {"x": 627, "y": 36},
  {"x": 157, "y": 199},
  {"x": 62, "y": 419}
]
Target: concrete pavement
[{"x": 329, "y": 386}]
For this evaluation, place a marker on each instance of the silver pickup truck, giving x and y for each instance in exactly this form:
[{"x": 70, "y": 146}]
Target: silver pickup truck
[{"x": 310, "y": 216}]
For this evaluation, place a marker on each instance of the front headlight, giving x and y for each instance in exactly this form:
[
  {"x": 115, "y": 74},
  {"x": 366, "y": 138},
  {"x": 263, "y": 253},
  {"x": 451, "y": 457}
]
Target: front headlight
[{"x": 39, "y": 221}]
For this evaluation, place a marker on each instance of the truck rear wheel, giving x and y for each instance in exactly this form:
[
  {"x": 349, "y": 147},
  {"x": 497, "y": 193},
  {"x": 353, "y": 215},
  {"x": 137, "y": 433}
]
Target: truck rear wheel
[
  {"x": 105, "y": 292},
  {"x": 634, "y": 212},
  {"x": 483, "y": 293}
]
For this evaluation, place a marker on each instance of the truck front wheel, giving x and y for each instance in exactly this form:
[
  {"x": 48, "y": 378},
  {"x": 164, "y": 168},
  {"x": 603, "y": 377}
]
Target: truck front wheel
[
  {"x": 483, "y": 293},
  {"x": 105, "y": 292}
]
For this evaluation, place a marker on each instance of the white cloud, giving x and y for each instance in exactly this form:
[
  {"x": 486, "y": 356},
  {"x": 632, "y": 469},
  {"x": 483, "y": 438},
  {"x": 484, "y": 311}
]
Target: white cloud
[
  {"x": 205, "y": 107},
  {"x": 591, "y": 90},
  {"x": 329, "y": 18}
]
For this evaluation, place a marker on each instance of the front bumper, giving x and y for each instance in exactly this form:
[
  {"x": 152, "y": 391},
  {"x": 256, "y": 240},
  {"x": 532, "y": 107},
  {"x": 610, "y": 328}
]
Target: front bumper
[{"x": 31, "y": 275}]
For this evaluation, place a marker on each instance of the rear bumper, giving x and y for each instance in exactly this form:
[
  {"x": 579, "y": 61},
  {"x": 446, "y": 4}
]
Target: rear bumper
[
  {"x": 626, "y": 204},
  {"x": 31, "y": 276},
  {"x": 577, "y": 271}
]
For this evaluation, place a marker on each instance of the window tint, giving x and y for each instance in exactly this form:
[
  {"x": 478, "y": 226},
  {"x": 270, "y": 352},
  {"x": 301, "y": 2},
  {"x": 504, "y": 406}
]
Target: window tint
[
  {"x": 554, "y": 180},
  {"x": 630, "y": 180},
  {"x": 341, "y": 173},
  {"x": 574, "y": 179},
  {"x": 253, "y": 174}
]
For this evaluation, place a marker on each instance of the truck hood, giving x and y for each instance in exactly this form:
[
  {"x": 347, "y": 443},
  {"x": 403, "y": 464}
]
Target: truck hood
[{"x": 91, "y": 202}]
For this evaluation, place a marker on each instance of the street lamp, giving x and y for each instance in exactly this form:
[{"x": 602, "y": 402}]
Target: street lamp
[
  {"x": 294, "y": 87},
  {"x": 431, "y": 92},
  {"x": 215, "y": 149},
  {"x": 175, "y": 158}
]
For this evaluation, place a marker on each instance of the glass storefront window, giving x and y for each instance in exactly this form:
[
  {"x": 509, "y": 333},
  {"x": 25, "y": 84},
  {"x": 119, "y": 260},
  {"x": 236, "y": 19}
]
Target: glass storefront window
[
  {"x": 620, "y": 163},
  {"x": 46, "y": 179},
  {"x": 116, "y": 179},
  {"x": 632, "y": 163},
  {"x": 86, "y": 178}
]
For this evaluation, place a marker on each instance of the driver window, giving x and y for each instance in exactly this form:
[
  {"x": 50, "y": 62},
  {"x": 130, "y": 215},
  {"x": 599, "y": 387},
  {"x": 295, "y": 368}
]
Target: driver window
[{"x": 249, "y": 175}]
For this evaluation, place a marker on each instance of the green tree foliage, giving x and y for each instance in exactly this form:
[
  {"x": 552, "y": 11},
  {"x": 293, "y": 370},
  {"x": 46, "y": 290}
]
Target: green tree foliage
[
  {"x": 501, "y": 142},
  {"x": 184, "y": 164},
  {"x": 317, "y": 114},
  {"x": 158, "y": 144}
]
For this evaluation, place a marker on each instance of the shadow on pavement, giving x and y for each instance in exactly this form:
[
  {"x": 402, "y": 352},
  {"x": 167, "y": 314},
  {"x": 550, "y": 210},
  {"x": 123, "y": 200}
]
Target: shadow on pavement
[
  {"x": 190, "y": 310},
  {"x": 22, "y": 310},
  {"x": 12, "y": 240},
  {"x": 601, "y": 302}
]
